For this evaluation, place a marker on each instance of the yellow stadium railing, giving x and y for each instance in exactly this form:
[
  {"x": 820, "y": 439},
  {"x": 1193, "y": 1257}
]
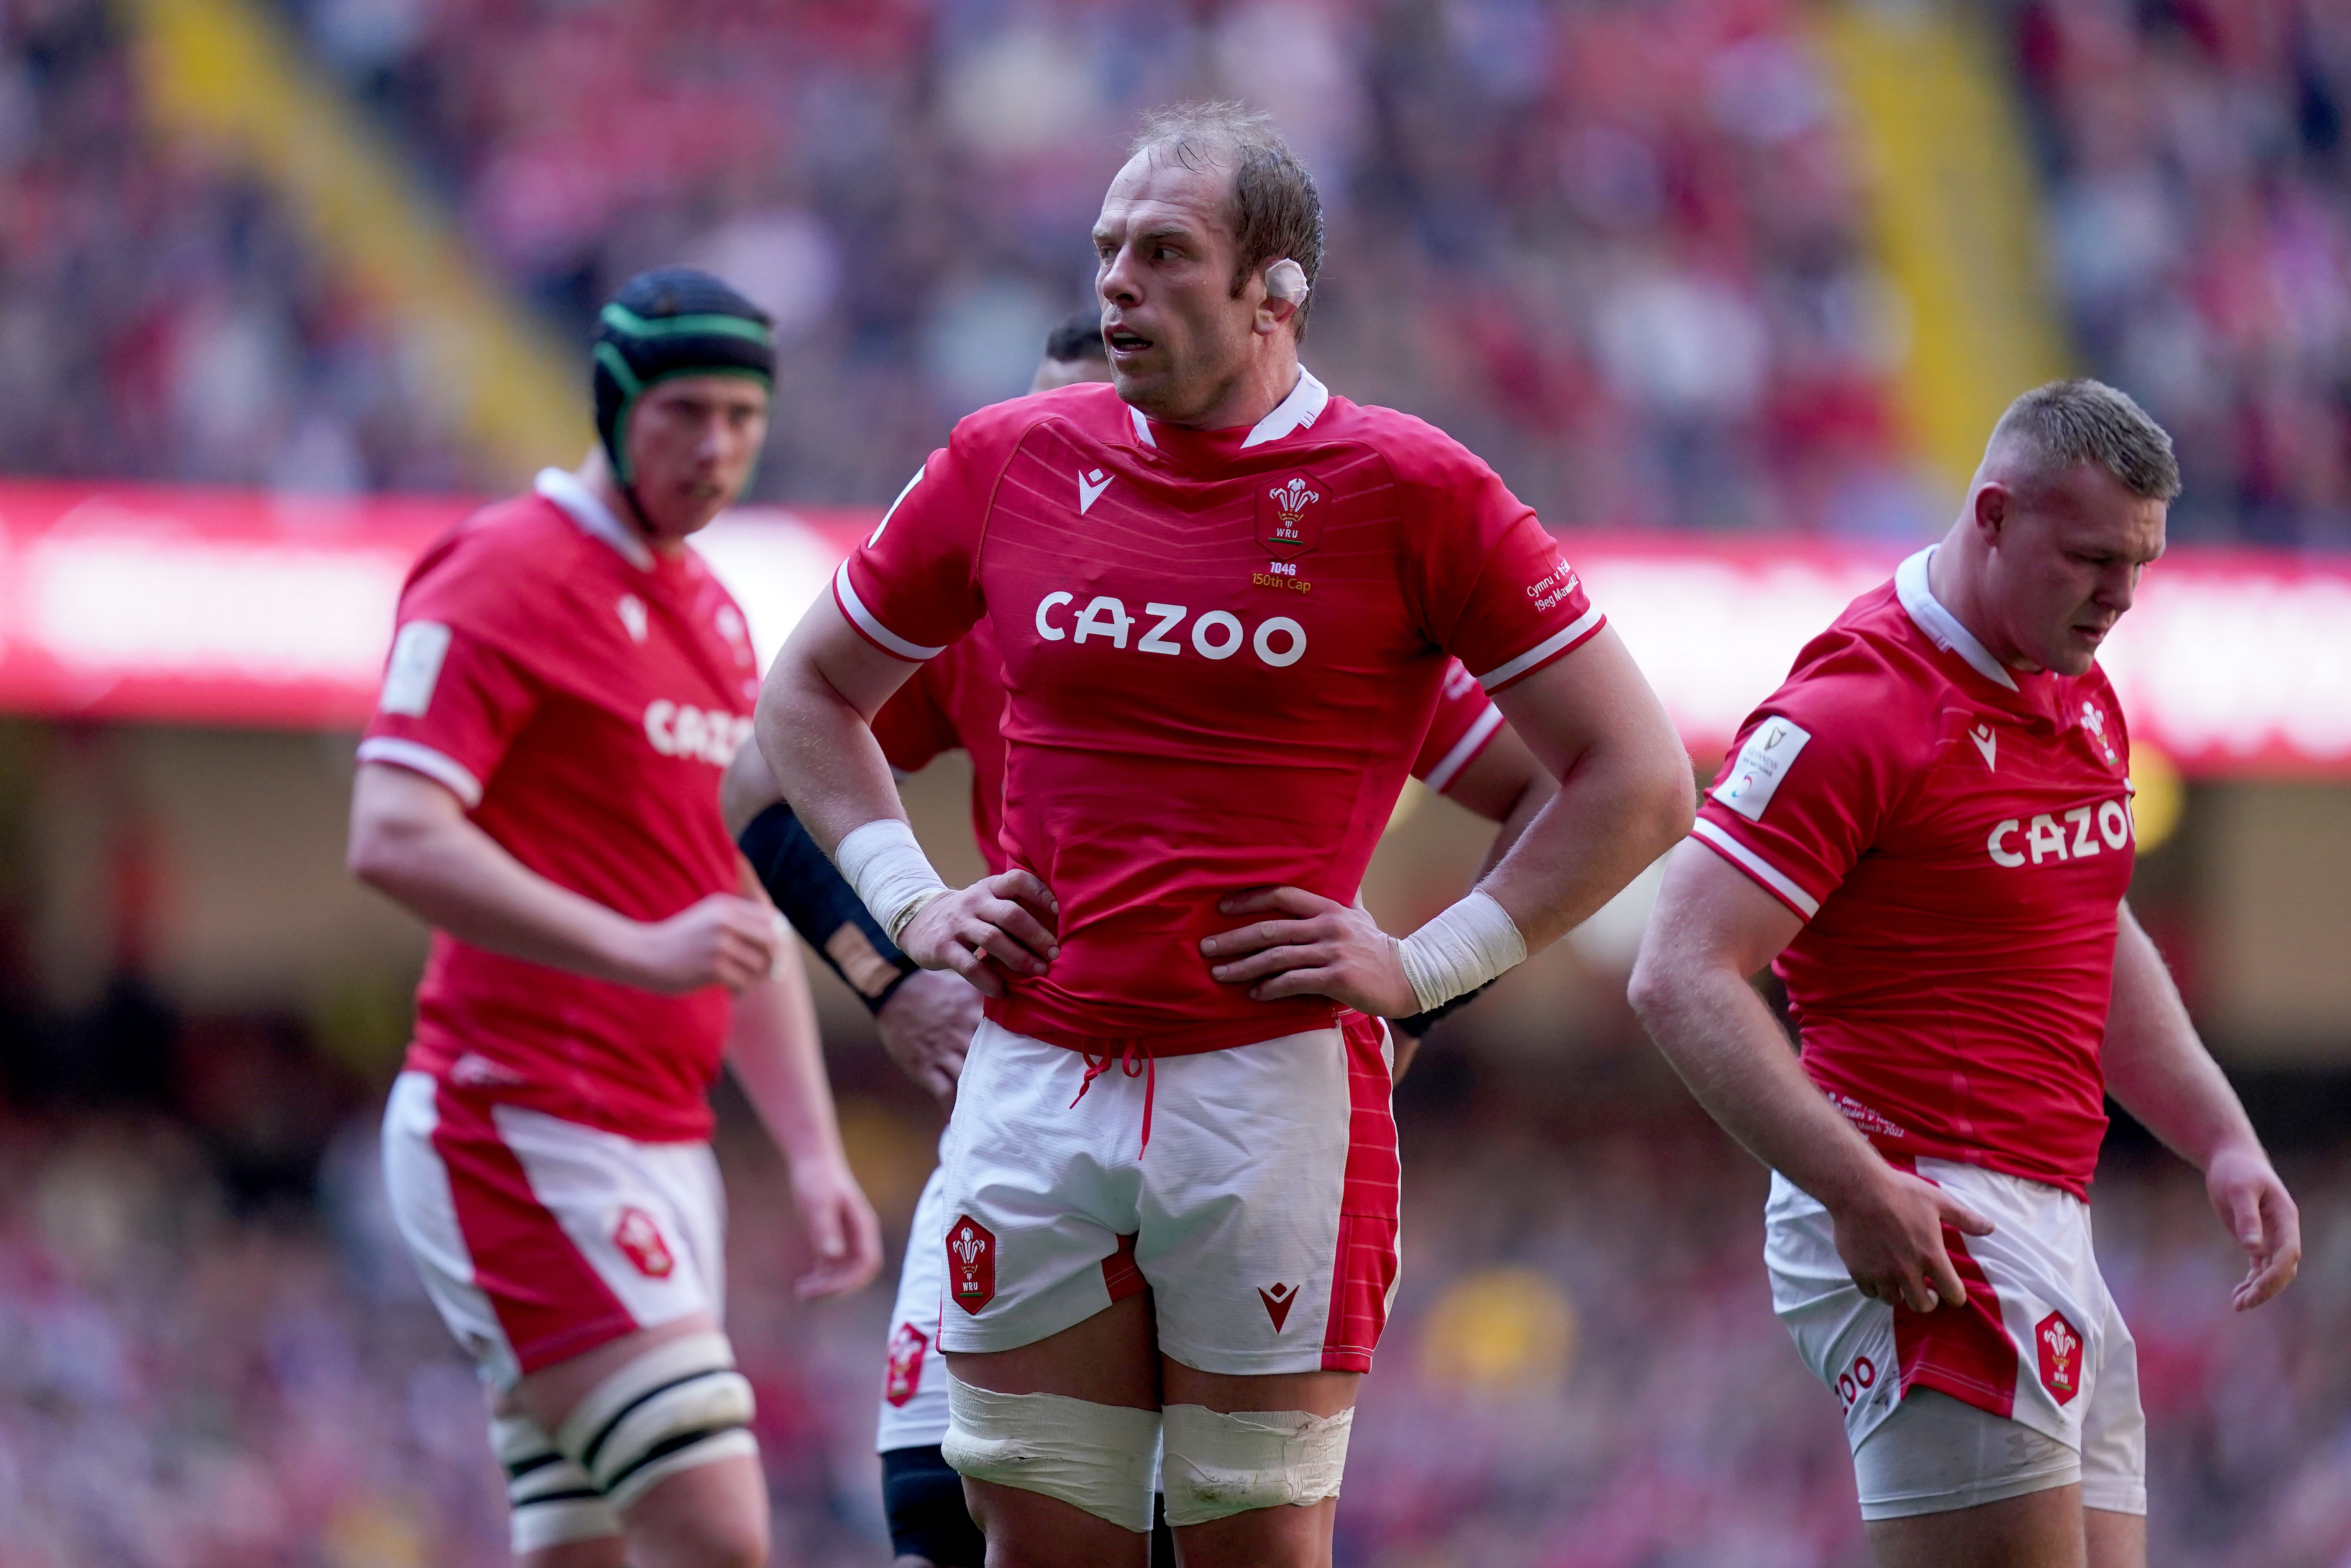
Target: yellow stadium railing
[
  {"x": 223, "y": 74},
  {"x": 1956, "y": 213}
]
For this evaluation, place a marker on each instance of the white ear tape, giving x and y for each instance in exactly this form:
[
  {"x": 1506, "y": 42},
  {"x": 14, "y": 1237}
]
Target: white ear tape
[{"x": 1285, "y": 279}]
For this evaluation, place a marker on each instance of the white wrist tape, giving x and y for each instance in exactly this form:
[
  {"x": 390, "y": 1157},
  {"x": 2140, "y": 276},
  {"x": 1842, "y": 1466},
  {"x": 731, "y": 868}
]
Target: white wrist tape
[
  {"x": 889, "y": 872},
  {"x": 1459, "y": 950}
]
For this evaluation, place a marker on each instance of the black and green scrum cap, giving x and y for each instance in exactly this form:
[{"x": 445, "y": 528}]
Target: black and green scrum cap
[{"x": 673, "y": 321}]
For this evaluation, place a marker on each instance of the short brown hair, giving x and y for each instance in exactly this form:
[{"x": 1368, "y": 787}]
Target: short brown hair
[
  {"x": 1276, "y": 210},
  {"x": 2084, "y": 421}
]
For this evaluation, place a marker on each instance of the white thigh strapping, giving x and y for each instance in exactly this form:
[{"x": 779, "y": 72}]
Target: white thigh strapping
[
  {"x": 1102, "y": 1458},
  {"x": 1219, "y": 1465}
]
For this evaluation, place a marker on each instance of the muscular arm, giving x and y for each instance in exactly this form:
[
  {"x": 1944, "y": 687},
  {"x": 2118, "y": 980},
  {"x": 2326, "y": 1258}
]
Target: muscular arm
[
  {"x": 1625, "y": 790},
  {"x": 1624, "y": 794},
  {"x": 1711, "y": 930},
  {"x": 2162, "y": 1074},
  {"x": 814, "y": 728},
  {"x": 1504, "y": 784},
  {"x": 411, "y": 841}
]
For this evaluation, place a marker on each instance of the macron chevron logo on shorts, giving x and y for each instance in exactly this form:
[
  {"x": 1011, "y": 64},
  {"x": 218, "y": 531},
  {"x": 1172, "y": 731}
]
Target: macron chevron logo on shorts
[{"x": 1278, "y": 1302}]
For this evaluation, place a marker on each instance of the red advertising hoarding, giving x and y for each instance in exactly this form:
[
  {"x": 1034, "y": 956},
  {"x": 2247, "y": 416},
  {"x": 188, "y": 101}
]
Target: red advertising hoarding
[{"x": 238, "y": 608}]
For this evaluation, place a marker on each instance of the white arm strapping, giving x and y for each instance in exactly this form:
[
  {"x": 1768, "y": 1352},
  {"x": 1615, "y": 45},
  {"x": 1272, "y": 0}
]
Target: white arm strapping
[
  {"x": 889, "y": 872},
  {"x": 1461, "y": 950}
]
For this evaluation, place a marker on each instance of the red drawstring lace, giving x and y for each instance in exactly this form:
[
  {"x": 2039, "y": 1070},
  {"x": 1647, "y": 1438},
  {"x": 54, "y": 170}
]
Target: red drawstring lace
[{"x": 1148, "y": 1071}]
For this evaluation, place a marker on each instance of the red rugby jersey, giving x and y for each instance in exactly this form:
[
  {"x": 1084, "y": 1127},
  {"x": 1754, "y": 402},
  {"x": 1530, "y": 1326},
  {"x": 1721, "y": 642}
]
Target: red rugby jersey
[
  {"x": 958, "y": 701},
  {"x": 1957, "y": 837},
  {"x": 580, "y": 693},
  {"x": 1221, "y": 651}
]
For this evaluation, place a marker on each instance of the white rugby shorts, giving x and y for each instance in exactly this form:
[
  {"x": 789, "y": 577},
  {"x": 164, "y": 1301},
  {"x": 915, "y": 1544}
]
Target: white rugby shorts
[
  {"x": 1262, "y": 1215},
  {"x": 2039, "y": 1340},
  {"x": 538, "y": 1238},
  {"x": 913, "y": 1384}
]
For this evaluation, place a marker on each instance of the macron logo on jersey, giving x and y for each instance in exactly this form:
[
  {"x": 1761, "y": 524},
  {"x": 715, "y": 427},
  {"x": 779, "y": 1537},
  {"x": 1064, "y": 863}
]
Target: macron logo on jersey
[
  {"x": 1762, "y": 762},
  {"x": 679, "y": 729},
  {"x": 1090, "y": 490}
]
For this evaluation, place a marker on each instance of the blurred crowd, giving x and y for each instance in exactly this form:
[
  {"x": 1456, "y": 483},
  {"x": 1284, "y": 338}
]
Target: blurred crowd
[
  {"x": 2199, "y": 221},
  {"x": 1615, "y": 248},
  {"x": 160, "y": 318},
  {"x": 1583, "y": 1372},
  {"x": 1620, "y": 249}
]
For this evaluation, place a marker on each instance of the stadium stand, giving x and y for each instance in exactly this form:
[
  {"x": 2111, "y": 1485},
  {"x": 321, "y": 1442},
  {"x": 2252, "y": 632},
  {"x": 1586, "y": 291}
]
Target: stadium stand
[
  {"x": 2200, "y": 232},
  {"x": 159, "y": 313},
  {"x": 1637, "y": 268}
]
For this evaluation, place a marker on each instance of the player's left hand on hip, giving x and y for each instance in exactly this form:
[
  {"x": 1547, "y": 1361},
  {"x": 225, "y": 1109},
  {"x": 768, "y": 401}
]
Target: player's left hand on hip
[
  {"x": 842, "y": 1228},
  {"x": 1311, "y": 945},
  {"x": 2261, "y": 1214}
]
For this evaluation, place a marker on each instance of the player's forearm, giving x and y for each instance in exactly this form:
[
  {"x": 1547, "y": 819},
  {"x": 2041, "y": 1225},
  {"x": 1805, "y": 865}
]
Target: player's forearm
[
  {"x": 2154, "y": 1065},
  {"x": 1514, "y": 823},
  {"x": 1617, "y": 810},
  {"x": 746, "y": 790},
  {"x": 823, "y": 756},
  {"x": 777, "y": 1056},
  {"x": 453, "y": 875},
  {"x": 1729, "y": 1050}
]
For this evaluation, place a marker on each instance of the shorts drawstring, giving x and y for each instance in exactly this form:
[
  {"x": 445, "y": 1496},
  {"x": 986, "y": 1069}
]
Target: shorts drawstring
[{"x": 1148, "y": 1071}]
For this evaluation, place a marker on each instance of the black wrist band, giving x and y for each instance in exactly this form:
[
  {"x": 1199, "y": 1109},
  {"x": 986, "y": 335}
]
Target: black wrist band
[
  {"x": 822, "y": 907},
  {"x": 1419, "y": 1024}
]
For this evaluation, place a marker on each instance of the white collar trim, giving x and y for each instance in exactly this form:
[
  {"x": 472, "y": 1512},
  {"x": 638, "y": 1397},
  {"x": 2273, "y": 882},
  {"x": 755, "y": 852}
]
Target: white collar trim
[
  {"x": 582, "y": 507},
  {"x": 1940, "y": 624},
  {"x": 1297, "y": 411}
]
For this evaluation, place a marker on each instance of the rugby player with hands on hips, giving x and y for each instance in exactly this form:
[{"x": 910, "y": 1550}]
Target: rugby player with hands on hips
[
  {"x": 1225, "y": 601},
  {"x": 925, "y": 1019},
  {"x": 1927, "y": 832},
  {"x": 540, "y": 782}
]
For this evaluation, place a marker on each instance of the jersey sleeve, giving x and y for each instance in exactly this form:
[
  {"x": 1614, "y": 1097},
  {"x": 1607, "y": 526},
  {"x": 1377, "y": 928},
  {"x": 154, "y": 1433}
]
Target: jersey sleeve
[
  {"x": 912, "y": 587},
  {"x": 1464, "y": 720},
  {"x": 454, "y": 696},
  {"x": 1494, "y": 589},
  {"x": 913, "y": 727},
  {"x": 1809, "y": 782}
]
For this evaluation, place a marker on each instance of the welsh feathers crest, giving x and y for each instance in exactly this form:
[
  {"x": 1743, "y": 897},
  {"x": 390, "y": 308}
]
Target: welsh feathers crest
[
  {"x": 1292, "y": 498},
  {"x": 1285, "y": 526}
]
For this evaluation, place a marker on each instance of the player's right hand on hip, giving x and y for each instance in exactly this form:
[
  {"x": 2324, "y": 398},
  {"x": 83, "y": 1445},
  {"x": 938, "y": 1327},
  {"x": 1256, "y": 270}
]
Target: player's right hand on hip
[
  {"x": 1890, "y": 1239},
  {"x": 926, "y": 1027},
  {"x": 1000, "y": 925},
  {"x": 722, "y": 940}
]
